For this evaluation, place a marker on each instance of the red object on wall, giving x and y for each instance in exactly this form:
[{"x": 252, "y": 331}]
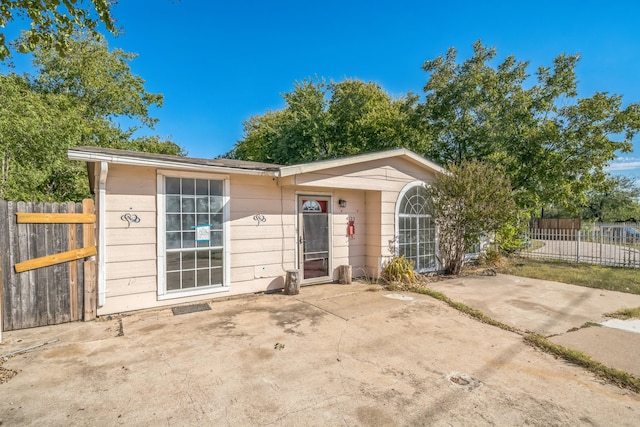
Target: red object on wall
[{"x": 351, "y": 227}]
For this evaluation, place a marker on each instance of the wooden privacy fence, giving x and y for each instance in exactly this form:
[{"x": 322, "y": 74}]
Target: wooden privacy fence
[{"x": 44, "y": 279}]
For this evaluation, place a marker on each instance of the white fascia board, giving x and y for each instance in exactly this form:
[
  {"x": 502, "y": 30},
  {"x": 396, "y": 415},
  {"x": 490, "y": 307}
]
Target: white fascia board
[
  {"x": 166, "y": 164},
  {"x": 367, "y": 157}
]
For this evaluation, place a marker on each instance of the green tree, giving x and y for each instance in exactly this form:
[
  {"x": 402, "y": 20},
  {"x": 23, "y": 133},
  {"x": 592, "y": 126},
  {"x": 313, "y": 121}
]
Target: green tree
[
  {"x": 365, "y": 118},
  {"x": 473, "y": 200},
  {"x": 35, "y": 130},
  {"x": 323, "y": 121},
  {"x": 617, "y": 200},
  {"x": 70, "y": 102},
  {"x": 552, "y": 145},
  {"x": 51, "y": 23}
]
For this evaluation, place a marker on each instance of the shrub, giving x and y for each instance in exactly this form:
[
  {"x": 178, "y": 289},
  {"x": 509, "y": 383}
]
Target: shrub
[
  {"x": 474, "y": 199},
  {"x": 510, "y": 236},
  {"x": 398, "y": 270}
]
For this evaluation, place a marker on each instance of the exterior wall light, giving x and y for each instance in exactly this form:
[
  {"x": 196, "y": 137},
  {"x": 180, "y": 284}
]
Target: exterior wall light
[{"x": 342, "y": 203}]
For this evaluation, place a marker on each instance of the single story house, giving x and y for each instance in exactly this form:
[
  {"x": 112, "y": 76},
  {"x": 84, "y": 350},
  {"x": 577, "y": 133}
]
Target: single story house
[{"x": 176, "y": 229}]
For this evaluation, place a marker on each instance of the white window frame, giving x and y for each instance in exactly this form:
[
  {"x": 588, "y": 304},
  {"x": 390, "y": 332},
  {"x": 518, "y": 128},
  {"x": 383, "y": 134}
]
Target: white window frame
[
  {"x": 404, "y": 191},
  {"x": 161, "y": 235}
]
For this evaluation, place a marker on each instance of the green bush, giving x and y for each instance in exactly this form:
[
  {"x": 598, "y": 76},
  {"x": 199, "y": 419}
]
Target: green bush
[{"x": 509, "y": 237}]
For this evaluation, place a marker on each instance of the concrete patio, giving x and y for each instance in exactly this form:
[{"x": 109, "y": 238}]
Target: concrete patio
[{"x": 333, "y": 355}]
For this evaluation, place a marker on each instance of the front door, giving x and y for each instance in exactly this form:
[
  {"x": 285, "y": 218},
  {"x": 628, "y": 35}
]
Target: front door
[{"x": 314, "y": 249}]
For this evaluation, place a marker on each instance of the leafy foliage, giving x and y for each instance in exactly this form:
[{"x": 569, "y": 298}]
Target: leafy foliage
[
  {"x": 509, "y": 236},
  {"x": 51, "y": 23},
  {"x": 323, "y": 121},
  {"x": 474, "y": 199},
  {"x": 70, "y": 102},
  {"x": 618, "y": 199},
  {"x": 551, "y": 145}
]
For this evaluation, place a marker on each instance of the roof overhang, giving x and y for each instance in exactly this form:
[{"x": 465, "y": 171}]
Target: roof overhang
[
  {"x": 96, "y": 154},
  {"x": 361, "y": 158},
  {"x": 180, "y": 163}
]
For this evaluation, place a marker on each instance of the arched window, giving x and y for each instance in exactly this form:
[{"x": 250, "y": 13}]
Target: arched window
[{"x": 416, "y": 228}]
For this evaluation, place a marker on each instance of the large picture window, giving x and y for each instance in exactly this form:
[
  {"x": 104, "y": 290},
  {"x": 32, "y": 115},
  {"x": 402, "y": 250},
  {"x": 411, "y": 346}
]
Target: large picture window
[
  {"x": 417, "y": 229},
  {"x": 194, "y": 234}
]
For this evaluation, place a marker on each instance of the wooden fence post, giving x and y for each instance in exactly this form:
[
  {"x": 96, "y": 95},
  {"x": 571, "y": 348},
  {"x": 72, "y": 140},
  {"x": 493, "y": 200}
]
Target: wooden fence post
[
  {"x": 90, "y": 276},
  {"x": 73, "y": 270},
  {"x": 90, "y": 294}
]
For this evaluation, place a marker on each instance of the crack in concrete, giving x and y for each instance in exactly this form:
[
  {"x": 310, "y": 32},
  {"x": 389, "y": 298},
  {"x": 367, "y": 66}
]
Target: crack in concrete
[{"x": 322, "y": 309}]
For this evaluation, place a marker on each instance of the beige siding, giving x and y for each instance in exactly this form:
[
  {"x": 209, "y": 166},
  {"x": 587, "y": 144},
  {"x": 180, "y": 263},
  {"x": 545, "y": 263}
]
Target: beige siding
[
  {"x": 382, "y": 180},
  {"x": 260, "y": 251},
  {"x": 131, "y": 267},
  {"x": 138, "y": 301},
  {"x": 373, "y": 245},
  {"x": 349, "y": 250},
  {"x": 381, "y": 175},
  {"x": 131, "y": 285},
  {"x": 133, "y": 252},
  {"x": 118, "y": 239},
  {"x": 388, "y": 225}
]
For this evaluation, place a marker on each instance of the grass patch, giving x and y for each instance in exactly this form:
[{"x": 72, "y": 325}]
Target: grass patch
[
  {"x": 625, "y": 313},
  {"x": 616, "y": 376},
  {"x": 585, "y": 325},
  {"x": 476, "y": 314},
  {"x": 593, "y": 276}
]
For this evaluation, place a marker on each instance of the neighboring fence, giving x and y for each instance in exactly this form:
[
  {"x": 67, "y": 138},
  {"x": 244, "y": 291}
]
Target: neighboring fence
[
  {"x": 556, "y": 223},
  {"x": 42, "y": 274},
  {"x": 615, "y": 244}
]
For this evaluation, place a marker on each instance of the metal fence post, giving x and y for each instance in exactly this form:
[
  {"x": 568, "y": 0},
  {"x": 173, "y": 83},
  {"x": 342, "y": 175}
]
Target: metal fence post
[
  {"x": 578, "y": 232},
  {"x": 601, "y": 238}
]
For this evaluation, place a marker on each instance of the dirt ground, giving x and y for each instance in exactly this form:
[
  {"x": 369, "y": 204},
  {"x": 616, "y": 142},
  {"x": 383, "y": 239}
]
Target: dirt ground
[{"x": 333, "y": 355}]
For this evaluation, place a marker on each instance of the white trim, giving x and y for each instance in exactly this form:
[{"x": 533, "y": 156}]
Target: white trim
[
  {"x": 160, "y": 237},
  {"x": 361, "y": 158},
  {"x": 162, "y": 293},
  {"x": 226, "y": 227},
  {"x": 102, "y": 242},
  {"x": 194, "y": 292},
  {"x": 161, "y": 163},
  {"x": 188, "y": 174}
]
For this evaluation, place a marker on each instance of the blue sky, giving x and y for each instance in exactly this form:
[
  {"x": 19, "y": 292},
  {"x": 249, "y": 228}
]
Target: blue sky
[{"x": 217, "y": 63}]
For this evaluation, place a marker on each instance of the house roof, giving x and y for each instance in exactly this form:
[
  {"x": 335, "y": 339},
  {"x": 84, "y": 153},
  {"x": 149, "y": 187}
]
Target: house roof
[
  {"x": 97, "y": 154},
  {"x": 110, "y": 155},
  {"x": 360, "y": 158}
]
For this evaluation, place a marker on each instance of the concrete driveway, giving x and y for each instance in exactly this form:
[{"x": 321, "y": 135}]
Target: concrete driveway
[
  {"x": 333, "y": 355},
  {"x": 554, "y": 310}
]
